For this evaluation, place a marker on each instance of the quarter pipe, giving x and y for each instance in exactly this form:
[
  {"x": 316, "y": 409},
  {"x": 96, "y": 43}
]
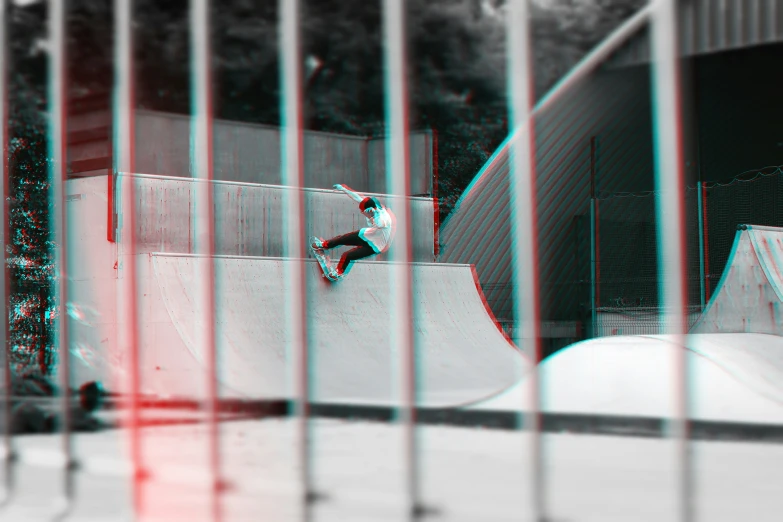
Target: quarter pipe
[
  {"x": 749, "y": 296},
  {"x": 462, "y": 356}
]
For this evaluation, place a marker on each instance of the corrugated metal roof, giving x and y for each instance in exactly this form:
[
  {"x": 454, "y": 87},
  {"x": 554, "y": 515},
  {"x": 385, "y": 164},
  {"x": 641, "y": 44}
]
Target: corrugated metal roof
[{"x": 708, "y": 26}]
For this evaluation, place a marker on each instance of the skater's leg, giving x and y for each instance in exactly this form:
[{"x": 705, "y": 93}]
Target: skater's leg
[
  {"x": 360, "y": 252},
  {"x": 349, "y": 239}
]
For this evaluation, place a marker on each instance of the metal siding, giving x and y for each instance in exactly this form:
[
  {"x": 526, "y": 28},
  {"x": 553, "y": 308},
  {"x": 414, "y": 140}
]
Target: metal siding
[
  {"x": 616, "y": 108},
  {"x": 711, "y": 26}
]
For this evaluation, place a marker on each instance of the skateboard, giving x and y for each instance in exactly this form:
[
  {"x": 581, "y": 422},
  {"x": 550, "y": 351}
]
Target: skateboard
[{"x": 323, "y": 261}]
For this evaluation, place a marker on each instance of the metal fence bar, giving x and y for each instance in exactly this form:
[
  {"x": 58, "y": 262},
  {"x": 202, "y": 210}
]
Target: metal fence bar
[
  {"x": 403, "y": 341},
  {"x": 295, "y": 236},
  {"x": 669, "y": 179},
  {"x": 58, "y": 226},
  {"x": 524, "y": 231},
  {"x": 8, "y": 452},
  {"x": 123, "y": 135},
  {"x": 593, "y": 242},
  {"x": 700, "y": 219},
  {"x": 204, "y": 223}
]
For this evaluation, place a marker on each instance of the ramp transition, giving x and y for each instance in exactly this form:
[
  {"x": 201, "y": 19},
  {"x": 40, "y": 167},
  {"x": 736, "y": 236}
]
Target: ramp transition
[
  {"x": 734, "y": 378},
  {"x": 462, "y": 356},
  {"x": 749, "y": 296}
]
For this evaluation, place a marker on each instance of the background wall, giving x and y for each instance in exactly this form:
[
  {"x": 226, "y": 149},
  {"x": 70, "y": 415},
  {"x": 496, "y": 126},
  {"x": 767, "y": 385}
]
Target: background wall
[
  {"x": 251, "y": 153},
  {"x": 249, "y": 218}
]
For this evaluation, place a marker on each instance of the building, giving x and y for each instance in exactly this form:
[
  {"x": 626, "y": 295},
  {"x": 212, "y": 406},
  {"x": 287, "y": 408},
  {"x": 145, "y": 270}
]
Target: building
[{"x": 595, "y": 140}]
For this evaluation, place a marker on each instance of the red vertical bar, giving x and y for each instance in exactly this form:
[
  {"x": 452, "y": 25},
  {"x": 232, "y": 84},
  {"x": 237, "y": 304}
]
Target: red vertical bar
[{"x": 110, "y": 209}]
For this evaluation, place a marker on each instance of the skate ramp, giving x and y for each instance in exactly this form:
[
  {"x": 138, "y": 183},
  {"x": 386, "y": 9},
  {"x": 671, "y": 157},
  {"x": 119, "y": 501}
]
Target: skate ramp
[
  {"x": 462, "y": 356},
  {"x": 733, "y": 378},
  {"x": 749, "y": 296}
]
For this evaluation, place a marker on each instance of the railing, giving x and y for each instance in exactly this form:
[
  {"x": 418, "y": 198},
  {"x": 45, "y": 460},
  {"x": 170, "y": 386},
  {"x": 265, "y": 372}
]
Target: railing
[{"x": 660, "y": 13}]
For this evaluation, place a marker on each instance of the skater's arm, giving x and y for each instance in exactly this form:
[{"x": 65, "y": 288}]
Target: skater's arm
[{"x": 351, "y": 194}]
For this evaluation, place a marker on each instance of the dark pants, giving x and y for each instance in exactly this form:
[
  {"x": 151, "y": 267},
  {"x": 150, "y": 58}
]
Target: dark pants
[{"x": 362, "y": 250}]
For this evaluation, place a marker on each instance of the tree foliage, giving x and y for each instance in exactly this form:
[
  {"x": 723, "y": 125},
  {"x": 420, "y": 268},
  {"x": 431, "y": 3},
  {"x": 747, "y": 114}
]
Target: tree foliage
[
  {"x": 456, "y": 82},
  {"x": 28, "y": 248}
]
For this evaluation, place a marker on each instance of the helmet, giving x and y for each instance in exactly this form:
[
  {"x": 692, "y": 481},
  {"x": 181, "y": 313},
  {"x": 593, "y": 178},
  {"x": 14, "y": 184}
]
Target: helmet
[{"x": 369, "y": 203}]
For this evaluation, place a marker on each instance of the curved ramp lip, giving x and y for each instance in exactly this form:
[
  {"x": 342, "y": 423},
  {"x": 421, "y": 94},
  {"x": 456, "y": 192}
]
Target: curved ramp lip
[
  {"x": 491, "y": 314},
  {"x": 307, "y": 259},
  {"x": 722, "y": 281}
]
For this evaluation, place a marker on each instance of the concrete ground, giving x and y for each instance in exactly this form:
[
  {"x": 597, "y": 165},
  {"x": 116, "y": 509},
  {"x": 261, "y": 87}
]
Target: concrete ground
[{"x": 466, "y": 475}]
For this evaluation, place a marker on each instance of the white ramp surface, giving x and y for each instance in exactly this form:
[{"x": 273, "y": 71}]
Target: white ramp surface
[
  {"x": 733, "y": 378},
  {"x": 749, "y": 296},
  {"x": 462, "y": 356}
]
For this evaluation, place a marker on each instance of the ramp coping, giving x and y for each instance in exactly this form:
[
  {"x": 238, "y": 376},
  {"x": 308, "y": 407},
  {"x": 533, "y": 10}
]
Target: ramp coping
[
  {"x": 268, "y": 185},
  {"x": 266, "y": 258}
]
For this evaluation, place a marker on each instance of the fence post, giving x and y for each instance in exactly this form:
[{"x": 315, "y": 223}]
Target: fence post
[
  {"x": 297, "y": 304},
  {"x": 125, "y": 236},
  {"x": 403, "y": 339},
  {"x": 669, "y": 180},
  {"x": 201, "y": 151},
  {"x": 524, "y": 236},
  {"x": 593, "y": 244},
  {"x": 702, "y": 289},
  {"x": 58, "y": 222}
]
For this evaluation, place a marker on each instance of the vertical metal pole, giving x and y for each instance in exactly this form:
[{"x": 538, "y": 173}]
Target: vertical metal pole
[
  {"x": 398, "y": 183},
  {"x": 706, "y": 243},
  {"x": 593, "y": 245},
  {"x": 201, "y": 160},
  {"x": 8, "y": 453},
  {"x": 669, "y": 176},
  {"x": 702, "y": 289},
  {"x": 58, "y": 225},
  {"x": 123, "y": 134},
  {"x": 772, "y": 20},
  {"x": 524, "y": 230},
  {"x": 295, "y": 237}
]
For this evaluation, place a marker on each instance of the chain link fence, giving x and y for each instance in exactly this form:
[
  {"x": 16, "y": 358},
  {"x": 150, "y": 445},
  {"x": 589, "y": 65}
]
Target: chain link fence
[{"x": 627, "y": 278}]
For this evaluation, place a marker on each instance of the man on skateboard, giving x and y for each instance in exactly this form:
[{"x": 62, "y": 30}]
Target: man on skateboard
[{"x": 369, "y": 241}]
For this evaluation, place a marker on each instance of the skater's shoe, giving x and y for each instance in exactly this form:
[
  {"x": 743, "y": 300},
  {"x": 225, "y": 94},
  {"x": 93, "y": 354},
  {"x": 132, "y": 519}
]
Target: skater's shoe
[
  {"x": 334, "y": 275},
  {"x": 317, "y": 244}
]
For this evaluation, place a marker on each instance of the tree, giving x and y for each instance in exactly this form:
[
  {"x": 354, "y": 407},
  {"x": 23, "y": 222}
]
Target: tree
[{"x": 28, "y": 248}]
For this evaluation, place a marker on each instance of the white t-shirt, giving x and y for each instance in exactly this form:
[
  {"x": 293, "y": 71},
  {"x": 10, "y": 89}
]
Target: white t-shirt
[{"x": 381, "y": 225}]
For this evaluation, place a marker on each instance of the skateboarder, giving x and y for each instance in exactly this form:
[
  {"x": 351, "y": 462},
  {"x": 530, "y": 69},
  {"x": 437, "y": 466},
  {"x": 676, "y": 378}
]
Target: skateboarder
[{"x": 369, "y": 241}]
